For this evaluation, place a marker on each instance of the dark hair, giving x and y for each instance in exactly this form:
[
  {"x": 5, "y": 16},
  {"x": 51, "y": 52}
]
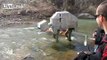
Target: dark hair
[{"x": 103, "y": 9}]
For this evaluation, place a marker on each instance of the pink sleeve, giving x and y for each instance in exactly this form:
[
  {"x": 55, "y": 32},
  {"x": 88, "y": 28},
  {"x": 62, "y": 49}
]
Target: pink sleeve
[{"x": 104, "y": 55}]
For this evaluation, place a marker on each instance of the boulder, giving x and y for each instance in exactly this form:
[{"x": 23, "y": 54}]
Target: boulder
[
  {"x": 43, "y": 25},
  {"x": 86, "y": 16}
]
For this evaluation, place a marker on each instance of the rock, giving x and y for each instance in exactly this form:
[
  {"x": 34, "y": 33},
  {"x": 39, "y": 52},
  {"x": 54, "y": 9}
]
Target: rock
[
  {"x": 85, "y": 15},
  {"x": 28, "y": 58},
  {"x": 43, "y": 25}
]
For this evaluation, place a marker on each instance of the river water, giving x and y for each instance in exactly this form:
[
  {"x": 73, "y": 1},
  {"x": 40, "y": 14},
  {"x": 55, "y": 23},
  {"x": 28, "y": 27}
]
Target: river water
[
  {"x": 17, "y": 43},
  {"x": 20, "y": 43},
  {"x": 27, "y": 42}
]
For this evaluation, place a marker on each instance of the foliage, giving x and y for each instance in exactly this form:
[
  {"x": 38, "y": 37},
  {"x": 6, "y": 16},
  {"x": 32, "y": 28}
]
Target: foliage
[{"x": 77, "y": 6}]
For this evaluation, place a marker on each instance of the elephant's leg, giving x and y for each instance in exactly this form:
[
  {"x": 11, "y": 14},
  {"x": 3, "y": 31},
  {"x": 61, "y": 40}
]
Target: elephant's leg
[
  {"x": 69, "y": 33},
  {"x": 57, "y": 36},
  {"x": 54, "y": 35},
  {"x": 66, "y": 34}
]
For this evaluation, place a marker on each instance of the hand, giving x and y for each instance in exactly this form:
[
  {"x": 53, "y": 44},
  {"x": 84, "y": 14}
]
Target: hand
[
  {"x": 87, "y": 52},
  {"x": 94, "y": 34},
  {"x": 81, "y": 56}
]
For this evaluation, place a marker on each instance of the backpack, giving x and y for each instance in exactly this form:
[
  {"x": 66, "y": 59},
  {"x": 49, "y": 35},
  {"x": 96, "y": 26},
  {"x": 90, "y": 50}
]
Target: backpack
[
  {"x": 98, "y": 54},
  {"x": 92, "y": 56},
  {"x": 99, "y": 35}
]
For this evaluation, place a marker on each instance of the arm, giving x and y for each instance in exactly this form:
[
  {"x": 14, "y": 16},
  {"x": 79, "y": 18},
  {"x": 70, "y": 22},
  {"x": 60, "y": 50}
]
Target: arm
[
  {"x": 88, "y": 56},
  {"x": 104, "y": 55}
]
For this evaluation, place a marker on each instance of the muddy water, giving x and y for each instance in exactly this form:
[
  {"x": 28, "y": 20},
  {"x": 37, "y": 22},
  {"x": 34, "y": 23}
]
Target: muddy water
[
  {"x": 23, "y": 41},
  {"x": 20, "y": 43}
]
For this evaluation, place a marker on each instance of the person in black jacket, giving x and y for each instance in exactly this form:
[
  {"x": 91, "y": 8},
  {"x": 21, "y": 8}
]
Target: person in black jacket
[
  {"x": 101, "y": 53},
  {"x": 97, "y": 37}
]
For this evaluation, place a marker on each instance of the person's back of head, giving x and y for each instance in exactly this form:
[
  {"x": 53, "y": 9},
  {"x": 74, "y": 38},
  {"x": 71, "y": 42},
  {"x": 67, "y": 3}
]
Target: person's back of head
[
  {"x": 101, "y": 15},
  {"x": 102, "y": 9}
]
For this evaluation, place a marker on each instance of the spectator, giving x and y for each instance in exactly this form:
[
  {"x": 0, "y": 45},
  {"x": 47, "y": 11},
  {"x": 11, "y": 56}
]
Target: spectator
[
  {"x": 101, "y": 19},
  {"x": 97, "y": 36}
]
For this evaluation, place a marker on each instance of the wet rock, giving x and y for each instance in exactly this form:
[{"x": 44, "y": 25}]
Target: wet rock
[
  {"x": 85, "y": 15},
  {"x": 28, "y": 58},
  {"x": 2, "y": 15},
  {"x": 43, "y": 25}
]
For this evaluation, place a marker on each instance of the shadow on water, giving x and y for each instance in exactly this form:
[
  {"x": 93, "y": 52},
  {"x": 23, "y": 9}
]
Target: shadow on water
[
  {"x": 62, "y": 46},
  {"x": 64, "y": 50}
]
